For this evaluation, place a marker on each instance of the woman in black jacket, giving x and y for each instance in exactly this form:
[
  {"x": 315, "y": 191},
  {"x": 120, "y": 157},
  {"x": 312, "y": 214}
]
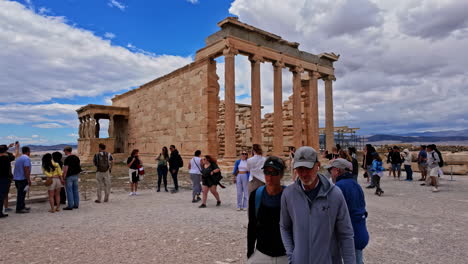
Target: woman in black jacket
[
  {"x": 211, "y": 174},
  {"x": 264, "y": 244}
]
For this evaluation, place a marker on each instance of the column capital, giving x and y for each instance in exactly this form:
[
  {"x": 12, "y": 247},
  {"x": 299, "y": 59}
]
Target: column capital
[
  {"x": 230, "y": 52},
  {"x": 297, "y": 69},
  {"x": 315, "y": 75},
  {"x": 256, "y": 58},
  {"x": 279, "y": 64},
  {"x": 329, "y": 78}
]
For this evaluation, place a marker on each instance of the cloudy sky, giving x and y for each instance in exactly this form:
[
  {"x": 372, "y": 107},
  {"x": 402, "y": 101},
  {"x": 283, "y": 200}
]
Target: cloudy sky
[{"x": 402, "y": 67}]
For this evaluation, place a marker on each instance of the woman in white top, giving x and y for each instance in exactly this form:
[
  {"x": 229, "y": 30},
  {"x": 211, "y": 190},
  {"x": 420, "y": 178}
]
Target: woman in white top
[
  {"x": 254, "y": 165},
  {"x": 195, "y": 168},
  {"x": 241, "y": 179},
  {"x": 408, "y": 159}
]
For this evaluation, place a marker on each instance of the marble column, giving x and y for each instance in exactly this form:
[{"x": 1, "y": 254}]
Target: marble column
[
  {"x": 111, "y": 127},
  {"x": 80, "y": 128},
  {"x": 297, "y": 111},
  {"x": 314, "y": 134},
  {"x": 92, "y": 127},
  {"x": 329, "y": 124},
  {"x": 278, "y": 143},
  {"x": 230, "y": 104},
  {"x": 85, "y": 127},
  {"x": 255, "y": 87}
]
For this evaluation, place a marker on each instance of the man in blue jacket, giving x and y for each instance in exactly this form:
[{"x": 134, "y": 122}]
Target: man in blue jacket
[
  {"x": 340, "y": 171},
  {"x": 314, "y": 223}
]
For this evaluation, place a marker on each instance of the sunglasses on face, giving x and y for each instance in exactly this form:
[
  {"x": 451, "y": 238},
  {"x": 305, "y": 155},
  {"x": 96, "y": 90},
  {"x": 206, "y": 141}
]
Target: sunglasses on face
[
  {"x": 271, "y": 173},
  {"x": 244, "y": 153}
]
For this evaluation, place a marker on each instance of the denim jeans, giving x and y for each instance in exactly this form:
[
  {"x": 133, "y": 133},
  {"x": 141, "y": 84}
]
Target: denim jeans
[
  {"x": 162, "y": 175},
  {"x": 20, "y": 194},
  {"x": 71, "y": 186},
  {"x": 359, "y": 258},
  {"x": 409, "y": 172},
  {"x": 242, "y": 184},
  {"x": 174, "y": 173}
]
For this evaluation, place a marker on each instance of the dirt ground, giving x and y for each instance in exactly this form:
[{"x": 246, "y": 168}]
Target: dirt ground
[{"x": 408, "y": 224}]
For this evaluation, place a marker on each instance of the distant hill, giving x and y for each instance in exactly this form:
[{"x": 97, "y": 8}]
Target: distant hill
[
  {"x": 410, "y": 139},
  {"x": 447, "y": 133},
  {"x": 59, "y": 147}
]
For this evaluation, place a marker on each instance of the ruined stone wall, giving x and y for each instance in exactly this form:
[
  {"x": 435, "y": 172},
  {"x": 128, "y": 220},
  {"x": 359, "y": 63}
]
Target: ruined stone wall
[
  {"x": 243, "y": 128},
  {"x": 179, "y": 108}
]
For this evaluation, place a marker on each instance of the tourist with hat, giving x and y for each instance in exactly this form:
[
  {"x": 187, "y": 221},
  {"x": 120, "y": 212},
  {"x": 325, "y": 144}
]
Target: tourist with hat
[
  {"x": 264, "y": 244},
  {"x": 315, "y": 224},
  {"x": 341, "y": 174}
]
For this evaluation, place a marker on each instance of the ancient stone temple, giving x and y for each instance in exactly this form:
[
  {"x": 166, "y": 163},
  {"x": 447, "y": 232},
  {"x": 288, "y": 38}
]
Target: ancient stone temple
[{"x": 183, "y": 108}]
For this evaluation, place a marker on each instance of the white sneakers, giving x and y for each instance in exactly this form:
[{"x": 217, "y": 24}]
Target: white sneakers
[
  {"x": 132, "y": 194},
  {"x": 435, "y": 189}
]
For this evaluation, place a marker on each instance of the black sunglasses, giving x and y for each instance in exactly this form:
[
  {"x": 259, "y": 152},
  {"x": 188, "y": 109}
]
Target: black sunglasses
[
  {"x": 244, "y": 153},
  {"x": 271, "y": 173}
]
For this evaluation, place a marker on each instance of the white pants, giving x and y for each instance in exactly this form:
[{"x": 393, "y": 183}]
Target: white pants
[{"x": 260, "y": 258}]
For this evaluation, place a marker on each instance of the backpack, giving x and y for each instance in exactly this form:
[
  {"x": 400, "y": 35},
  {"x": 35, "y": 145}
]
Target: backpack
[
  {"x": 441, "y": 160},
  {"x": 181, "y": 161},
  {"x": 103, "y": 162}
]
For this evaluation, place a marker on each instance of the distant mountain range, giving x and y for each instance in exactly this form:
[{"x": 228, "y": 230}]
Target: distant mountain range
[
  {"x": 59, "y": 147},
  {"x": 439, "y": 136}
]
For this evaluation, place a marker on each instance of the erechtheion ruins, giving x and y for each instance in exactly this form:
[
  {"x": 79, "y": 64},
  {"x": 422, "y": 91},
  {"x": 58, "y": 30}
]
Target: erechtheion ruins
[{"x": 183, "y": 107}]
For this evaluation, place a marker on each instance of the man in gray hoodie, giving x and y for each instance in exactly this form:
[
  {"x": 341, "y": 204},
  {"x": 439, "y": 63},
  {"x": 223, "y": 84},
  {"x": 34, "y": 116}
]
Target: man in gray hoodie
[{"x": 315, "y": 224}]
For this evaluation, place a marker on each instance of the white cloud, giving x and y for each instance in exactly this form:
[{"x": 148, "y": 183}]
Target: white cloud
[
  {"x": 74, "y": 135},
  {"x": 115, "y": 3},
  {"x": 193, "y": 1},
  {"x": 48, "y": 125},
  {"x": 44, "y": 58},
  {"x": 35, "y": 136},
  {"x": 389, "y": 78},
  {"x": 64, "y": 114},
  {"x": 109, "y": 35}
]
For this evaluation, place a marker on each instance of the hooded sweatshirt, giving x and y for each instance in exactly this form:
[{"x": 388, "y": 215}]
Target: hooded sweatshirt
[{"x": 317, "y": 231}]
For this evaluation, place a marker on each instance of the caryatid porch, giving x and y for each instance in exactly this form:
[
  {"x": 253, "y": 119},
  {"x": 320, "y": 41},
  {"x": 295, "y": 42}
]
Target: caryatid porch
[
  {"x": 90, "y": 128},
  {"x": 260, "y": 46}
]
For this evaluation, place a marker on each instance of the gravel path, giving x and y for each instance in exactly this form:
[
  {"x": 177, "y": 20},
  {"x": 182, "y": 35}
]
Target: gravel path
[{"x": 409, "y": 224}]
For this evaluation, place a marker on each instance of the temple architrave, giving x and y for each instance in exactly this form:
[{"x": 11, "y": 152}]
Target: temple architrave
[{"x": 183, "y": 108}]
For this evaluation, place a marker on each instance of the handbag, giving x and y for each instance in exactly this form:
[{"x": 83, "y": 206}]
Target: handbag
[{"x": 48, "y": 182}]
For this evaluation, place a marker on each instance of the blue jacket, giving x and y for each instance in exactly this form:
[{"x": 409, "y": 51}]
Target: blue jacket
[
  {"x": 354, "y": 197},
  {"x": 236, "y": 168},
  {"x": 377, "y": 167},
  {"x": 318, "y": 231}
]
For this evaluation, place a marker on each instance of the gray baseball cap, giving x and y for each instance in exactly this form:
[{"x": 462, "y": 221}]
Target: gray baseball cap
[
  {"x": 305, "y": 157},
  {"x": 340, "y": 164}
]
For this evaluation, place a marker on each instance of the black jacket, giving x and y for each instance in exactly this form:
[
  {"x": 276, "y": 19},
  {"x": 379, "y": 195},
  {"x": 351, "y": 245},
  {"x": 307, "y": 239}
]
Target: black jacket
[{"x": 175, "y": 160}]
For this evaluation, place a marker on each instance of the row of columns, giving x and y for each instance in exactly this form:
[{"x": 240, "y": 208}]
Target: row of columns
[
  {"x": 89, "y": 126},
  {"x": 311, "y": 112}
]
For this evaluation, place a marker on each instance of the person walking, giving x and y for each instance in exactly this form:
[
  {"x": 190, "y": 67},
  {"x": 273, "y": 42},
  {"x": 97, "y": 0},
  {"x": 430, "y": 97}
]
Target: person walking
[
  {"x": 408, "y": 159},
  {"x": 5, "y": 176},
  {"x": 376, "y": 171},
  {"x": 210, "y": 179},
  {"x": 195, "y": 169},
  {"x": 71, "y": 172},
  {"x": 133, "y": 164},
  {"x": 354, "y": 161},
  {"x": 103, "y": 161},
  {"x": 340, "y": 171},
  {"x": 396, "y": 160},
  {"x": 315, "y": 224},
  {"x": 422, "y": 162},
  {"x": 162, "y": 169},
  {"x": 367, "y": 164},
  {"x": 389, "y": 161},
  {"x": 57, "y": 158},
  {"x": 433, "y": 160},
  {"x": 264, "y": 244},
  {"x": 241, "y": 179},
  {"x": 254, "y": 166},
  {"x": 53, "y": 172},
  {"x": 22, "y": 178},
  {"x": 175, "y": 163}
]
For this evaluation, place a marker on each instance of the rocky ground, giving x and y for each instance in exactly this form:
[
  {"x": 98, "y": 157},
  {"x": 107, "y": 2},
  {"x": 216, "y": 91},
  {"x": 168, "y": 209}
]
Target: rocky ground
[{"x": 409, "y": 224}]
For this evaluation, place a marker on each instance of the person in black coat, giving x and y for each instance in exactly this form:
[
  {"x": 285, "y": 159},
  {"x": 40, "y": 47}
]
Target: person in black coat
[{"x": 175, "y": 162}]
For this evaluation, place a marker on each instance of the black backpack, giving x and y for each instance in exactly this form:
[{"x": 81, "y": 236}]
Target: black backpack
[
  {"x": 441, "y": 160},
  {"x": 103, "y": 162}
]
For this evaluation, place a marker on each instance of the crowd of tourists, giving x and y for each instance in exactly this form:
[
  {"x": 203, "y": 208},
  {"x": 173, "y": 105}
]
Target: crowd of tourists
[{"x": 314, "y": 219}]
